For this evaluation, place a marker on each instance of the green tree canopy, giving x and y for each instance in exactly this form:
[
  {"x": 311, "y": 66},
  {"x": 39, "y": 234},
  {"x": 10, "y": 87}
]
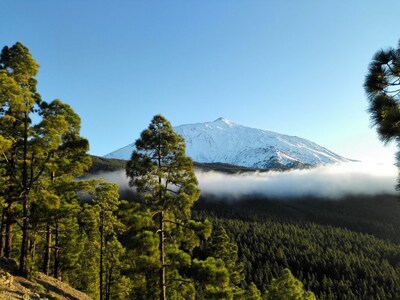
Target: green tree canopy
[
  {"x": 161, "y": 172},
  {"x": 382, "y": 85},
  {"x": 287, "y": 287},
  {"x": 40, "y": 146},
  {"x": 164, "y": 177}
]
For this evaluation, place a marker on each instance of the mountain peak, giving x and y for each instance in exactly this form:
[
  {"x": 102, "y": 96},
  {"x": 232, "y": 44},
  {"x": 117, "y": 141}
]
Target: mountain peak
[
  {"x": 226, "y": 142},
  {"x": 223, "y": 120}
]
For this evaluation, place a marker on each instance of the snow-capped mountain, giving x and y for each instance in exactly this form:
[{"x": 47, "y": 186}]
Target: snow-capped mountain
[{"x": 226, "y": 142}]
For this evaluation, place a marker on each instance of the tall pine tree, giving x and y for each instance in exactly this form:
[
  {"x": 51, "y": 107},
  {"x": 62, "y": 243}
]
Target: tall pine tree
[
  {"x": 37, "y": 141},
  {"x": 164, "y": 177}
]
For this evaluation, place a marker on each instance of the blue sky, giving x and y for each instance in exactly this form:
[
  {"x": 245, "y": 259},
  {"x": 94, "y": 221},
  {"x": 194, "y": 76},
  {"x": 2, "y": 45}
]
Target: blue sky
[{"x": 294, "y": 67}]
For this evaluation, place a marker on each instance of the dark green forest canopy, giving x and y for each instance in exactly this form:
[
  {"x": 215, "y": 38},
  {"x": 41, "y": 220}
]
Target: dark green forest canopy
[
  {"x": 338, "y": 259},
  {"x": 101, "y": 164},
  {"x": 374, "y": 215}
]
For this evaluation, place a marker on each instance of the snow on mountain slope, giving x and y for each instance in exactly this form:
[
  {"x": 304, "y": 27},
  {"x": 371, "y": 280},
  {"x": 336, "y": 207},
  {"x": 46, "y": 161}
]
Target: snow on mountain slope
[{"x": 226, "y": 142}]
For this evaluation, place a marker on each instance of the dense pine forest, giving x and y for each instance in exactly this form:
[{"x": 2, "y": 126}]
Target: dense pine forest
[
  {"x": 164, "y": 241},
  {"x": 343, "y": 249}
]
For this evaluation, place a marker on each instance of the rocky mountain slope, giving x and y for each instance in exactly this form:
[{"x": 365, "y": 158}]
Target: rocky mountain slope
[{"x": 223, "y": 141}]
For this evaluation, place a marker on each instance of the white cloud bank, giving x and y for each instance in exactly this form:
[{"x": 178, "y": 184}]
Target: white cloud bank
[{"x": 326, "y": 181}]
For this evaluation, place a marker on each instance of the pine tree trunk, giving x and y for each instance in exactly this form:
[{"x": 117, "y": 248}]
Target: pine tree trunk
[
  {"x": 163, "y": 287},
  {"x": 9, "y": 228},
  {"x": 25, "y": 198},
  {"x": 24, "y": 244},
  {"x": 101, "y": 252},
  {"x": 47, "y": 251},
  {"x": 109, "y": 280},
  {"x": 163, "y": 290},
  {"x": 32, "y": 247},
  {"x": 2, "y": 232},
  {"x": 9, "y": 210},
  {"x": 56, "y": 254}
]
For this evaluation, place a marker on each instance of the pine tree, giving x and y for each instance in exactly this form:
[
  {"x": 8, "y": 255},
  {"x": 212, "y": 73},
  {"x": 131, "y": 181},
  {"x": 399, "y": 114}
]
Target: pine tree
[
  {"x": 222, "y": 247},
  {"x": 106, "y": 202},
  {"x": 87, "y": 278},
  {"x": 31, "y": 151},
  {"x": 253, "y": 293},
  {"x": 116, "y": 285},
  {"x": 68, "y": 160},
  {"x": 382, "y": 85},
  {"x": 19, "y": 99},
  {"x": 287, "y": 287},
  {"x": 142, "y": 257},
  {"x": 164, "y": 178},
  {"x": 5, "y": 145}
]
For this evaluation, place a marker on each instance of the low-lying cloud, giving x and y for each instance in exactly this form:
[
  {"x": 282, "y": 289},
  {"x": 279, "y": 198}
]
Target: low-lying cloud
[
  {"x": 332, "y": 182},
  {"x": 326, "y": 181}
]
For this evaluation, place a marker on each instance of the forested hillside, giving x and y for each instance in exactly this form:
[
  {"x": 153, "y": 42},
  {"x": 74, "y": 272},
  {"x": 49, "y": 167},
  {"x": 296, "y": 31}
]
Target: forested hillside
[
  {"x": 374, "y": 215},
  {"x": 101, "y": 164},
  {"x": 345, "y": 249}
]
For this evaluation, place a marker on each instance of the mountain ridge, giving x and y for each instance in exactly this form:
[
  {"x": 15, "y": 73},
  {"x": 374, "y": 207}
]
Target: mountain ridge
[{"x": 223, "y": 141}]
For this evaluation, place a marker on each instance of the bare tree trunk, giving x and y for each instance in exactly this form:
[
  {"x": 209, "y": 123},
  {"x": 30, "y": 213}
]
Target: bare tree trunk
[
  {"x": 47, "y": 251},
  {"x": 163, "y": 286}
]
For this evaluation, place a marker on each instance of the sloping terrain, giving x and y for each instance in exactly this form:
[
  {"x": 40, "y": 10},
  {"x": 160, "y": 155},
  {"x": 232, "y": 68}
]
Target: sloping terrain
[{"x": 40, "y": 286}]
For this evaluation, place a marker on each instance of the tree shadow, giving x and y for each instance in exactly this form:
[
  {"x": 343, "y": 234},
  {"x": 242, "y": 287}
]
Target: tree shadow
[{"x": 55, "y": 289}]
